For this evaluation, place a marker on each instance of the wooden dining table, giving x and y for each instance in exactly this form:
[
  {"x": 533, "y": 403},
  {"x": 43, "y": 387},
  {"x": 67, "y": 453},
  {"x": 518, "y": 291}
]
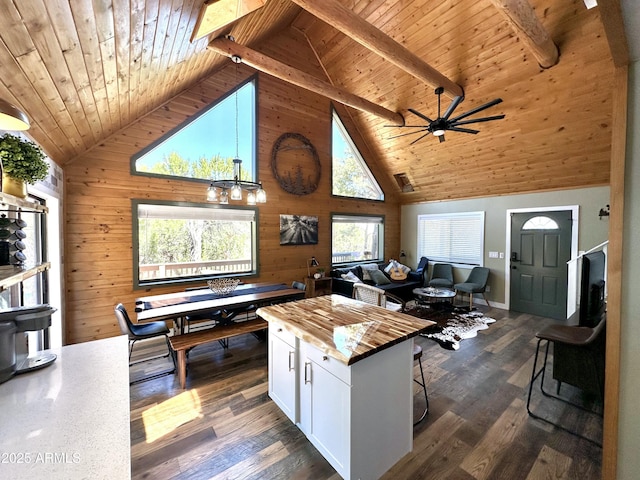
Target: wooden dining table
[{"x": 175, "y": 306}]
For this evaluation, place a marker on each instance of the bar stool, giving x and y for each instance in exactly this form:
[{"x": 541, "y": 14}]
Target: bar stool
[
  {"x": 417, "y": 355},
  {"x": 584, "y": 347}
]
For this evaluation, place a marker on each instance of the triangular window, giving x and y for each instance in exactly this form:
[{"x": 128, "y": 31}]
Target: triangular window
[
  {"x": 204, "y": 146},
  {"x": 350, "y": 175}
]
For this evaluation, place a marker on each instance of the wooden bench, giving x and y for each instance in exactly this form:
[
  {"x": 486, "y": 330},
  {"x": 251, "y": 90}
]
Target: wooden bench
[{"x": 183, "y": 343}]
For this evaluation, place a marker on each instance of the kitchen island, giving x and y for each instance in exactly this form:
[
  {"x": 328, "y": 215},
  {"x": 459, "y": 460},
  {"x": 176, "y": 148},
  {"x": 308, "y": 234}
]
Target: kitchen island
[
  {"x": 69, "y": 420},
  {"x": 342, "y": 371}
]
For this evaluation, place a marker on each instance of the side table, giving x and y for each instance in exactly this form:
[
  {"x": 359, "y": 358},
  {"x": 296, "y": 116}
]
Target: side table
[{"x": 318, "y": 286}]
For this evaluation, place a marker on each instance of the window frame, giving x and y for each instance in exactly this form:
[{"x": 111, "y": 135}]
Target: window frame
[
  {"x": 255, "y": 248},
  {"x": 185, "y": 124},
  {"x": 381, "y": 238},
  {"x": 335, "y": 118},
  {"x": 477, "y": 216}
]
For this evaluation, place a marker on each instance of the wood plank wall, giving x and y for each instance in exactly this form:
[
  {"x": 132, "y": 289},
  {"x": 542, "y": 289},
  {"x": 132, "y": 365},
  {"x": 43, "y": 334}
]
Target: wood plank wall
[{"x": 99, "y": 186}]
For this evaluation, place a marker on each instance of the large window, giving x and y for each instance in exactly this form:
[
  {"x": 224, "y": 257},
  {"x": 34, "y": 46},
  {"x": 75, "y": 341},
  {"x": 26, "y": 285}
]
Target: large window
[
  {"x": 356, "y": 238},
  {"x": 205, "y": 145},
  {"x": 176, "y": 242},
  {"x": 351, "y": 176},
  {"x": 452, "y": 238}
]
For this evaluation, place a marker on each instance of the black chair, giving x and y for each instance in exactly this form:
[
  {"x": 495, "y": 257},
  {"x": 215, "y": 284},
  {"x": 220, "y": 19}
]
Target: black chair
[
  {"x": 578, "y": 360},
  {"x": 299, "y": 285},
  {"x": 422, "y": 268},
  {"x": 441, "y": 276},
  {"x": 475, "y": 283},
  {"x": 144, "y": 331}
]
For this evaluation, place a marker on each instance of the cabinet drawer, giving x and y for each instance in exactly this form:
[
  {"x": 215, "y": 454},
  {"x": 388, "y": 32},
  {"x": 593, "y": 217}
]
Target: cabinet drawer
[
  {"x": 330, "y": 364},
  {"x": 279, "y": 331}
]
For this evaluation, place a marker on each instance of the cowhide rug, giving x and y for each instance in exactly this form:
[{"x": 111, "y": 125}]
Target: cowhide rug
[{"x": 452, "y": 324}]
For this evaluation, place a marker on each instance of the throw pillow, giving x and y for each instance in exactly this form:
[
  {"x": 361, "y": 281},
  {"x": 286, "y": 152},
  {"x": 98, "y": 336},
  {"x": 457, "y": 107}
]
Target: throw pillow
[
  {"x": 351, "y": 277},
  {"x": 394, "y": 264},
  {"x": 379, "y": 278},
  {"x": 367, "y": 269}
]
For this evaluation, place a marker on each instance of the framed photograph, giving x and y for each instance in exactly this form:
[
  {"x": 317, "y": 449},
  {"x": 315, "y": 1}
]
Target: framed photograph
[{"x": 298, "y": 230}]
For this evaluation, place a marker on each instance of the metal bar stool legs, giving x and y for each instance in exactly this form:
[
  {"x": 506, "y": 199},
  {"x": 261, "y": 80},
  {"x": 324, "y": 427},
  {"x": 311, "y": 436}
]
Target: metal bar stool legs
[
  {"x": 417, "y": 355},
  {"x": 541, "y": 373}
]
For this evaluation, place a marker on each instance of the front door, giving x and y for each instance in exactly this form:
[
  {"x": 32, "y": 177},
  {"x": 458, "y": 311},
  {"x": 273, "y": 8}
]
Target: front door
[{"x": 540, "y": 250}]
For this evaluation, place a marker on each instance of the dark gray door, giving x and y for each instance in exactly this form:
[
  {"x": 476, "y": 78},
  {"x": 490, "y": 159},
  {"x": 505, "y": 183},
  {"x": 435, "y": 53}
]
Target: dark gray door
[{"x": 540, "y": 249}]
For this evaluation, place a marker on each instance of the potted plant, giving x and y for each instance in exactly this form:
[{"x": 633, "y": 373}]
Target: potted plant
[{"x": 22, "y": 162}]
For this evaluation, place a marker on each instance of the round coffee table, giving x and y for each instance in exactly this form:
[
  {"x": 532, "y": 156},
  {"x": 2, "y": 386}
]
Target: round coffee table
[{"x": 433, "y": 295}]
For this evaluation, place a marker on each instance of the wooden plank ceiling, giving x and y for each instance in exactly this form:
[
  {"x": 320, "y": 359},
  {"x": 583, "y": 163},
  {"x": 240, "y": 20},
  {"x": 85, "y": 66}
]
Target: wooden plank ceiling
[{"x": 84, "y": 70}]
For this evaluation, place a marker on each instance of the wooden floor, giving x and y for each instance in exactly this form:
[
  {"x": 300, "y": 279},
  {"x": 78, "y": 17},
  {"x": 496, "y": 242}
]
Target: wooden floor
[{"x": 224, "y": 426}]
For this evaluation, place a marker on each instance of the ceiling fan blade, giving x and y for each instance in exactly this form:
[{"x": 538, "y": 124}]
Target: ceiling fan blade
[
  {"x": 415, "y": 112},
  {"x": 418, "y": 139},
  {"x": 408, "y": 133},
  {"x": 463, "y": 130},
  {"x": 484, "y": 119},
  {"x": 477, "y": 109},
  {"x": 456, "y": 101}
]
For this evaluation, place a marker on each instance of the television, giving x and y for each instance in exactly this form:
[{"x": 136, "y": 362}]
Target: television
[{"x": 592, "y": 293}]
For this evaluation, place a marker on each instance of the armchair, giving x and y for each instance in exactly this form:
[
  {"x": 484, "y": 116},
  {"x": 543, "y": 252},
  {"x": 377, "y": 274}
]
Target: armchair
[
  {"x": 377, "y": 296},
  {"x": 475, "y": 283},
  {"x": 441, "y": 276}
]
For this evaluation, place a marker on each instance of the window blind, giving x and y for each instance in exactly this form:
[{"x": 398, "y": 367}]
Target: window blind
[
  {"x": 177, "y": 212},
  {"x": 452, "y": 237}
]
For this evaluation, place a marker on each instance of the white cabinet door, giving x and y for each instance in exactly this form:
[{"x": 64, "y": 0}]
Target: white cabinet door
[
  {"x": 283, "y": 380},
  {"x": 325, "y": 412}
]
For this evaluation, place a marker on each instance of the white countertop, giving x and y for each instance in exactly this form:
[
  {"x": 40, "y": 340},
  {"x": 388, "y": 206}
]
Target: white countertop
[{"x": 69, "y": 420}]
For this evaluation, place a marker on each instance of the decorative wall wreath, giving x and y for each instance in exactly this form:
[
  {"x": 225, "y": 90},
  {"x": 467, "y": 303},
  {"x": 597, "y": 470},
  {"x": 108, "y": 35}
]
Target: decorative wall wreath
[{"x": 295, "y": 164}]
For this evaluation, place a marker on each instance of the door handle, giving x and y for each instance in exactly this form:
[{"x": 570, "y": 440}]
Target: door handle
[
  {"x": 514, "y": 257},
  {"x": 291, "y": 364},
  {"x": 307, "y": 378}
]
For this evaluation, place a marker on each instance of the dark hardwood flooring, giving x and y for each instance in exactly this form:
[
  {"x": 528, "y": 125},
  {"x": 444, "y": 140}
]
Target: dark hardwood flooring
[{"x": 224, "y": 425}]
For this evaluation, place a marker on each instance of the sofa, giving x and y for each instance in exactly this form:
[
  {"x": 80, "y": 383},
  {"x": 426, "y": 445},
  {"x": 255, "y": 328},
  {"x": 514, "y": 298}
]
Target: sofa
[{"x": 402, "y": 289}]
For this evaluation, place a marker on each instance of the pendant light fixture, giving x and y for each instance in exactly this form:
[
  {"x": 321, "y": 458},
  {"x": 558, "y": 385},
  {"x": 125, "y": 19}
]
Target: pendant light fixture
[
  {"x": 12, "y": 118},
  {"x": 222, "y": 191}
]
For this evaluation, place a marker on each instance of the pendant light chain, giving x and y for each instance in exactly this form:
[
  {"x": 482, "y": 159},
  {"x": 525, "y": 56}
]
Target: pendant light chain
[
  {"x": 236, "y": 95},
  {"x": 224, "y": 190}
]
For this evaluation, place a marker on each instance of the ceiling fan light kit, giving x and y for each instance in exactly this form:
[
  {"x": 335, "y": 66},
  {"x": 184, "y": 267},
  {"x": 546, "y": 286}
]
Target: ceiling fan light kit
[{"x": 442, "y": 123}]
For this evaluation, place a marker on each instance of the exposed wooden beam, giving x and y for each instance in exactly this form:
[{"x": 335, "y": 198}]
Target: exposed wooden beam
[
  {"x": 523, "y": 19},
  {"x": 357, "y": 28},
  {"x": 615, "y": 258},
  {"x": 216, "y": 14},
  {"x": 273, "y": 67},
  {"x": 611, "y": 17}
]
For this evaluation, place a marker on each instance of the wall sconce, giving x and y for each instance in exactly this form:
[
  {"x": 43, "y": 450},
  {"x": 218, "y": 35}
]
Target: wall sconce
[
  {"x": 403, "y": 257},
  {"x": 312, "y": 262},
  {"x": 604, "y": 212}
]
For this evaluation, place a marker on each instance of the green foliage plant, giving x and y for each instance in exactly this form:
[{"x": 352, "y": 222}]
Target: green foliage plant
[{"x": 22, "y": 159}]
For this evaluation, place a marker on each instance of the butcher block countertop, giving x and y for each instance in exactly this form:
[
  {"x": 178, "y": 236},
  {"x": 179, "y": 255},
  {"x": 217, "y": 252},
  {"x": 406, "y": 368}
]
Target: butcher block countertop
[{"x": 345, "y": 329}]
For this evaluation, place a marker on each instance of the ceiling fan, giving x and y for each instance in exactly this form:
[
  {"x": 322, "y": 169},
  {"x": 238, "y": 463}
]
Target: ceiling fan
[{"x": 443, "y": 123}]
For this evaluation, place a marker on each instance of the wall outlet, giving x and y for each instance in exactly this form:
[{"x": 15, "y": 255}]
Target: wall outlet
[{"x": 501, "y": 254}]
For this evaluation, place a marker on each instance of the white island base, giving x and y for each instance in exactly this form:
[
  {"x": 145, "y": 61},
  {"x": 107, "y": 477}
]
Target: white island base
[{"x": 359, "y": 416}]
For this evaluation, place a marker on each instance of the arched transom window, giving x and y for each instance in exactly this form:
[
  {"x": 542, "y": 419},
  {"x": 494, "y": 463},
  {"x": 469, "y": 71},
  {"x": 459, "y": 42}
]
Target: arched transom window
[{"x": 540, "y": 223}]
